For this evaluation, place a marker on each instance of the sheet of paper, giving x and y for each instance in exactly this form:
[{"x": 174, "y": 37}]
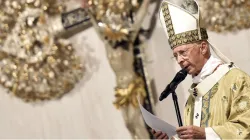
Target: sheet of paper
[{"x": 156, "y": 123}]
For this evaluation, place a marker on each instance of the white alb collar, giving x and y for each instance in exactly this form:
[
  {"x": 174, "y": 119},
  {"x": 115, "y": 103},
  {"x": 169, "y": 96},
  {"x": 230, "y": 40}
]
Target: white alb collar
[{"x": 207, "y": 69}]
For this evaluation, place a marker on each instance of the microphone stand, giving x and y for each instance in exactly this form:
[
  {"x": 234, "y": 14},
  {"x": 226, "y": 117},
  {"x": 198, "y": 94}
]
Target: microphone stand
[
  {"x": 180, "y": 76},
  {"x": 177, "y": 110}
]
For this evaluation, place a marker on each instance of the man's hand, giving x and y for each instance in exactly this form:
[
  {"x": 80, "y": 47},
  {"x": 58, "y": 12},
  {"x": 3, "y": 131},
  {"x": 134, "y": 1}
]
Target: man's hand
[
  {"x": 159, "y": 134},
  {"x": 191, "y": 132}
]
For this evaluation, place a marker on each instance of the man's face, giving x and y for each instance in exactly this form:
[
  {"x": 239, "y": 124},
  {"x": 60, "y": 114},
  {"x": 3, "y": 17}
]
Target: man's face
[{"x": 189, "y": 56}]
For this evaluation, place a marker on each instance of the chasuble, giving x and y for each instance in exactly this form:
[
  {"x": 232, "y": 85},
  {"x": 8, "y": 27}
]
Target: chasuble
[{"x": 224, "y": 107}]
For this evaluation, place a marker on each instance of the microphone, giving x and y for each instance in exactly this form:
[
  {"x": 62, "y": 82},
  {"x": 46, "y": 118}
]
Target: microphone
[{"x": 179, "y": 77}]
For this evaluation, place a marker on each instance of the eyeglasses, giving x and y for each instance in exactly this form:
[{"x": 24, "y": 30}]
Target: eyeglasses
[{"x": 183, "y": 53}]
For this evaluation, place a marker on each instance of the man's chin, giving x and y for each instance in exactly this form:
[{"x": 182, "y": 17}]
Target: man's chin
[{"x": 191, "y": 72}]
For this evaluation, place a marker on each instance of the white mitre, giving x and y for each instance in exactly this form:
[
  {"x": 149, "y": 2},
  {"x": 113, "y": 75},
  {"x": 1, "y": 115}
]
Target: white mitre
[{"x": 184, "y": 26}]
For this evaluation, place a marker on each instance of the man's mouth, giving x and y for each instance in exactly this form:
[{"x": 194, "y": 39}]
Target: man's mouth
[{"x": 187, "y": 67}]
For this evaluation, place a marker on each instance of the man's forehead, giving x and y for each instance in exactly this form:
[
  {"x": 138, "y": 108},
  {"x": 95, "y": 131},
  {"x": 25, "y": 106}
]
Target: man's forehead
[{"x": 180, "y": 48}]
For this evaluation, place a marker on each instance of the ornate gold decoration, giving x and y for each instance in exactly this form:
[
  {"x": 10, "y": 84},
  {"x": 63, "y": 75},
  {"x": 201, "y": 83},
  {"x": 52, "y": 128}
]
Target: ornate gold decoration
[
  {"x": 126, "y": 96},
  {"x": 225, "y": 15},
  {"x": 181, "y": 38},
  {"x": 234, "y": 87},
  {"x": 214, "y": 90},
  {"x": 206, "y": 104},
  {"x": 114, "y": 20},
  {"x": 34, "y": 64},
  {"x": 11, "y": 10},
  {"x": 242, "y": 104},
  {"x": 112, "y": 7},
  {"x": 47, "y": 79},
  {"x": 225, "y": 99},
  {"x": 114, "y": 35},
  {"x": 205, "y": 109},
  {"x": 239, "y": 131}
]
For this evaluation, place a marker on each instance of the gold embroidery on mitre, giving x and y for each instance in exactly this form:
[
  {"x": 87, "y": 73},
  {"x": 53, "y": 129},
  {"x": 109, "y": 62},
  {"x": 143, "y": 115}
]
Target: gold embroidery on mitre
[
  {"x": 181, "y": 38},
  {"x": 126, "y": 96}
]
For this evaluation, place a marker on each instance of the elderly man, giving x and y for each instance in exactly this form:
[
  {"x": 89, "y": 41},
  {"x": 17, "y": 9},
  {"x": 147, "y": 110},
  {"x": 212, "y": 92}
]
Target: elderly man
[{"x": 219, "y": 101}]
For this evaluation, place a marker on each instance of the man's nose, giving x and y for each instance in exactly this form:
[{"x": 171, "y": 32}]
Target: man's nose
[{"x": 180, "y": 59}]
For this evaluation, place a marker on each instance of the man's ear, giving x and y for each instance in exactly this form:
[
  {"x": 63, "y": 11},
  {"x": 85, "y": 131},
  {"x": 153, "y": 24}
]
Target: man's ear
[{"x": 204, "y": 47}]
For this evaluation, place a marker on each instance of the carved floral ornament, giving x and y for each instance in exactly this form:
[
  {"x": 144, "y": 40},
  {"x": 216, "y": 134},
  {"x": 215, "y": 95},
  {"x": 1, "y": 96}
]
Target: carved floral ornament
[{"x": 35, "y": 65}]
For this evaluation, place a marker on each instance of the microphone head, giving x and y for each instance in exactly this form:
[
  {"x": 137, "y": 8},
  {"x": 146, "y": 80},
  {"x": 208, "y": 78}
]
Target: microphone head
[
  {"x": 179, "y": 77},
  {"x": 183, "y": 73},
  {"x": 161, "y": 98}
]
